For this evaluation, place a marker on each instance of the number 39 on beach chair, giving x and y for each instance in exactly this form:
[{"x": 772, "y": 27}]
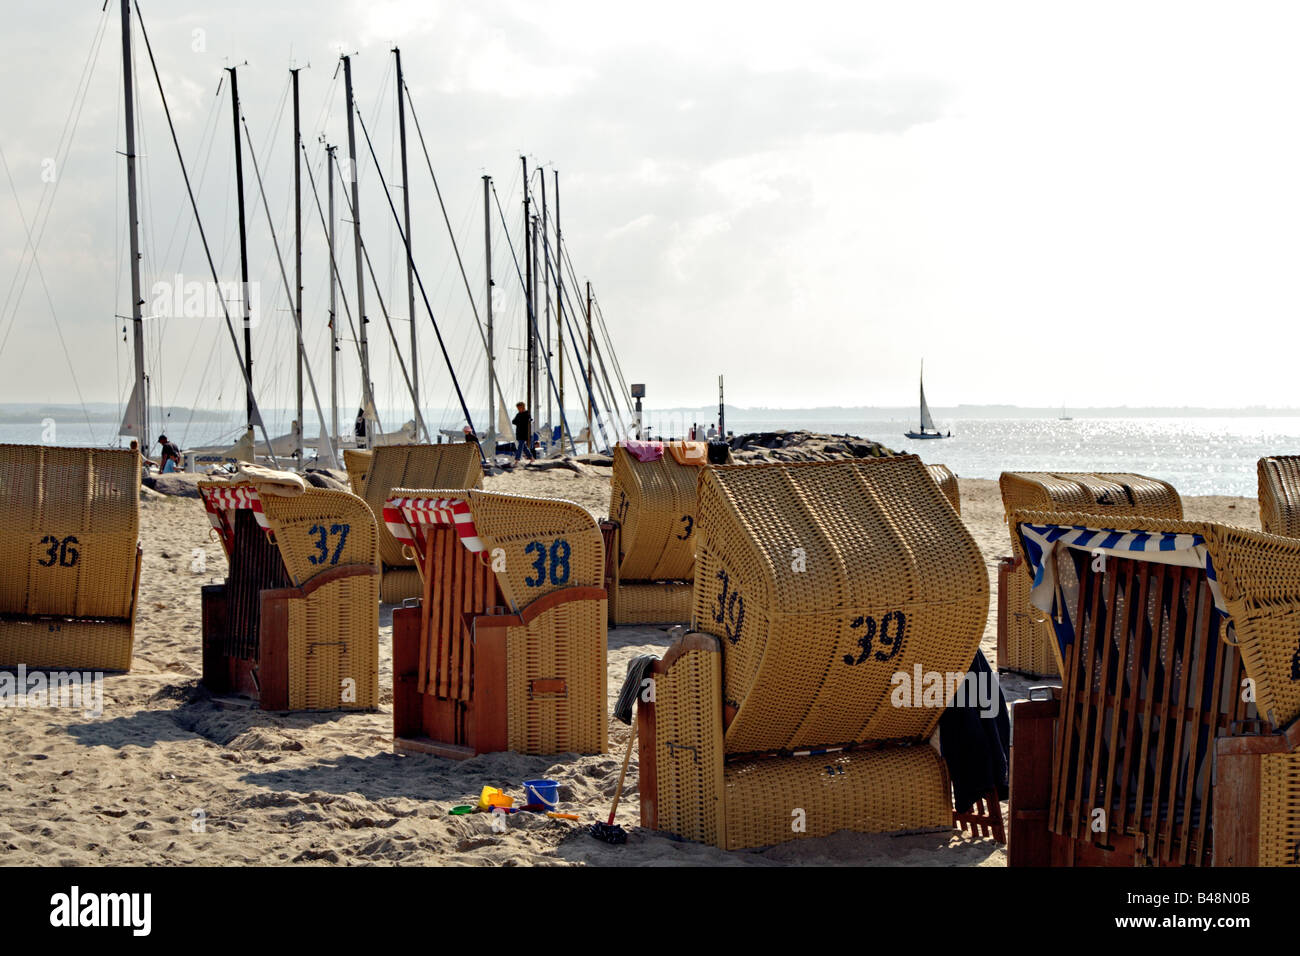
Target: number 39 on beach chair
[
  {"x": 650, "y": 535},
  {"x": 296, "y": 623},
  {"x": 455, "y": 465},
  {"x": 1025, "y": 641},
  {"x": 1173, "y": 739},
  {"x": 507, "y": 648},
  {"x": 69, "y": 556},
  {"x": 816, "y": 585}
]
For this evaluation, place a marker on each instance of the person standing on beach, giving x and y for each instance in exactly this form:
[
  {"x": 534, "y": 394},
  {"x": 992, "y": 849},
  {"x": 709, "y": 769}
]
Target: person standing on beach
[
  {"x": 523, "y": 423},
  {"x": 360, "y": 429},
  {"x": 171, "y": 456}
]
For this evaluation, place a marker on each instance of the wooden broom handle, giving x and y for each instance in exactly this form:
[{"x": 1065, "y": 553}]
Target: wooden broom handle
[{"x": 627, "y": 756}]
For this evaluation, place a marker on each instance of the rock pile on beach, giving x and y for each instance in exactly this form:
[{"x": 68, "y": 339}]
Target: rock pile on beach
[{"x": 803, "y": 445}]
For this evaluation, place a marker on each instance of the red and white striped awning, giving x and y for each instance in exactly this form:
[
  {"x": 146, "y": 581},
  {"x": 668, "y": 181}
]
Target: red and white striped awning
[
  {"x": 402, "y": 514},
  {"x": 232, "y": 498}
]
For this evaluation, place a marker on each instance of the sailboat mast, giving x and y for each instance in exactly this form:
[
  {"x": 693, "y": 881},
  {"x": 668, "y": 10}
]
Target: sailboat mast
[
  {"x": 538, "y": 345},
  {"x": 559, "y": 295},
  {"x": 546, "y": 304},
  {"x": 297, "y": 261},
  {"x": 367, "y": 400},
  {"x": 591, "y": 446},
  {"x": 406, "y": 216},
  {"x": 334, "y": 329},
  {"x": 243, "y": 246},
  {"x": 491, "y": 360},
  {"x": 137, "y": 317},
  {"x": 528, "y": 298}
]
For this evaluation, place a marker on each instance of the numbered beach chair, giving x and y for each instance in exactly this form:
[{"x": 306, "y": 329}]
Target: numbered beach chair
[
  {"x": 69, "y": 556},
  {"x": 506, "y": 650},
  {"x": 1173, "y": 738},
  {"x": 296, "y": 623},
  {"x": 1025, "y": 642},
  {"x": 1279, "y": 495},
  {"x": 455, "y": 465},
  {"x": 947, "y": 482},
  {"x": 650, "y": 534},
  {"x": 775, "y": 717}
]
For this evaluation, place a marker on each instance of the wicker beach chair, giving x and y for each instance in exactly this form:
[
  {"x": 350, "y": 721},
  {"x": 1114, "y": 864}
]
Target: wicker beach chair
[
  {"x": 816, "y": 585},
  {"x": 453, "y": 465},
  {"x": 70, "y": 560},
  {"x": 1025, "y": 642},
  {"x": 506, "y": 650},
  {"x": 1173, "y": 737},
  {"x": 296, "y": 624},
  {"x": 1279, "y": 495},
  {"x": 947, "y": 482},
  {"x": 649, "y": 537}
]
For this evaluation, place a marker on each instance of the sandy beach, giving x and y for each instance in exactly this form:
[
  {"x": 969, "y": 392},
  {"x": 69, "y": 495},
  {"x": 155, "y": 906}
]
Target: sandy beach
[{"x": 169, "y": 775}]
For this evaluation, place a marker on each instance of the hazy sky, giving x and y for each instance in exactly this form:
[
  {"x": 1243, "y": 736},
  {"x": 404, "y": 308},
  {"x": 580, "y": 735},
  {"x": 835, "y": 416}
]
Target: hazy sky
[{"x": 1080, "y": 204}]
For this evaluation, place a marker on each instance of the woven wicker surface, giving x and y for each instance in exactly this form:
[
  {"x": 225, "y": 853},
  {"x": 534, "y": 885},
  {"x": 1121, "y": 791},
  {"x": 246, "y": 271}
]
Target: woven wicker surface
[
  {"x": 947, "y": 482},
  {"x": 536, "y": 545},
  {"x": 1279, "y": 495},
  {"x": 93, "y": 645},
  {"x": 869, "y": 791},
  {"x": 357, "y": 464},
  {"x": 321, "y": 529},
  {"x": 1279, "y": 810},
  {"x": 654, "y": 502},
  {"x": 455, "y": 466},
  {"x": 1259, "y": 579},
  {"x": 1030, "y": 647},
  {"x": 333, "y": 639},
  {"x": 565, "y": 642},
  {"x": 825, "y": 579},
  {"x": 398, "y": 584},
  {"x": 657, "y": 602},
  {"x": 689, "y": 749},
  {"x": 70, "y": 522}
]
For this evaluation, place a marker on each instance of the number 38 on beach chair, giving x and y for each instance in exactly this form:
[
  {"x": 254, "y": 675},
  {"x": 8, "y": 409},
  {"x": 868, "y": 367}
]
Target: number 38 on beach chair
[
  {"x": 650, "y": 535},
  {"x": 507, "y": 648},
  {"x": 296, "y": 624},
  {"x": 779, "y": 716},
  {"x": 1173, "y": 739},
  {"x": 1025, "y": 641},
  {"x": 69, "y": 556},
  {"x": 374, "y": 474}
]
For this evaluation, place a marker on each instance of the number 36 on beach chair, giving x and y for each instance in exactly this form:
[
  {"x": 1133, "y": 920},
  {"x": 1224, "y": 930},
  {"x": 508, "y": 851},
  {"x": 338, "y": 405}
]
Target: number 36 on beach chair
[{"x": 296, "y": 624}]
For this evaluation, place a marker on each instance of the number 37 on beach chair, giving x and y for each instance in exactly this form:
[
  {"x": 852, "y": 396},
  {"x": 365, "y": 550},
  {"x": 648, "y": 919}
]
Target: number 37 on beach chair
[
  {"x": 296, "y": 624},
  {"x": 506, "y": 650}
]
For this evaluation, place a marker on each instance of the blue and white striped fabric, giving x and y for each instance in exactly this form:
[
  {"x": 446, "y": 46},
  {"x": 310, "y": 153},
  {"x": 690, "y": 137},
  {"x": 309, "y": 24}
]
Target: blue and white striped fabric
[{"x": 1040, "y": 542}]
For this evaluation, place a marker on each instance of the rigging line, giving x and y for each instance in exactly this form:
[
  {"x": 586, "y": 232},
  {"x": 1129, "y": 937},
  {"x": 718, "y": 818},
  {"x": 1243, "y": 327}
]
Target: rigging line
[
  {"x": 607, "y": 390},
  {"x": 469, "y": 419},
  {"x": 532, "y": 320},
  {"x": 207, "y": 250},
  {"x": 574, "y": 343},
  {"x": 41, "y": 219},
  {"x": 311, "y": 378},
  {"x": 40, "y": 273},
  {"x": 478, "y": 322},
  {"x": 365, "y": 252},
  {"x": 624, "y": 394}
]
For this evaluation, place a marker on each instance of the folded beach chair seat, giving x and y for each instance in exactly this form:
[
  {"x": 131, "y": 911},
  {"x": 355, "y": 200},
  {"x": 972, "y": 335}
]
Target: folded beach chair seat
[
  {"x": 947, "y": 482},
  {"x": 1173, "y": 739},
  {"x": 453, "y": 465},
  {"x": 1025, "y": 643},
  {"x": 776, "y": 716},
  {"x": 296, "y": 623},
  {"x": 650, "y": 534},
  {"x": 506, "y": 649},
  {"x": 69, "y": 556},
  {"x": 357, "y": 464},
  {"x": 1279, "y": 495}
]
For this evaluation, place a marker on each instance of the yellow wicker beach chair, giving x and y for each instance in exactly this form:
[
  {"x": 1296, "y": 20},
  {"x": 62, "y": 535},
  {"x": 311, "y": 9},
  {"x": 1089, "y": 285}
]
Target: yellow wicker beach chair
[
  {"x": 650, "y": 534},
  {"x": 453, "y": 465},
  {"x": 69, "y": 556},
  {"x": 816, "y": 584},
  {"x": 947, "y": 482},
  {"x": 1173, "y": 739},
  {"x": 296, "y": 623},
  {"x": 507, "y": 648},
  {"x": 1279, "y": 495},
  {"x": 1024, "y": 637}
]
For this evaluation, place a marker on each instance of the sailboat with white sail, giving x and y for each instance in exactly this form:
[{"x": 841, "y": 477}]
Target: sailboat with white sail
[{"x": 928, "y": 429}]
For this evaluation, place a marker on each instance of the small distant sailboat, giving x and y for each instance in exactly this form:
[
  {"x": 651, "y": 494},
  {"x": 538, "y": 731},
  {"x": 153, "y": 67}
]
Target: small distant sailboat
[
  {"x": 1065, "y": 417},
  {"x": 928, "y": 429}
]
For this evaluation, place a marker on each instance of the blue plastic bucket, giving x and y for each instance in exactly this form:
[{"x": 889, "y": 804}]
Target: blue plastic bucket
[{"x": 545, "y": 792}]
